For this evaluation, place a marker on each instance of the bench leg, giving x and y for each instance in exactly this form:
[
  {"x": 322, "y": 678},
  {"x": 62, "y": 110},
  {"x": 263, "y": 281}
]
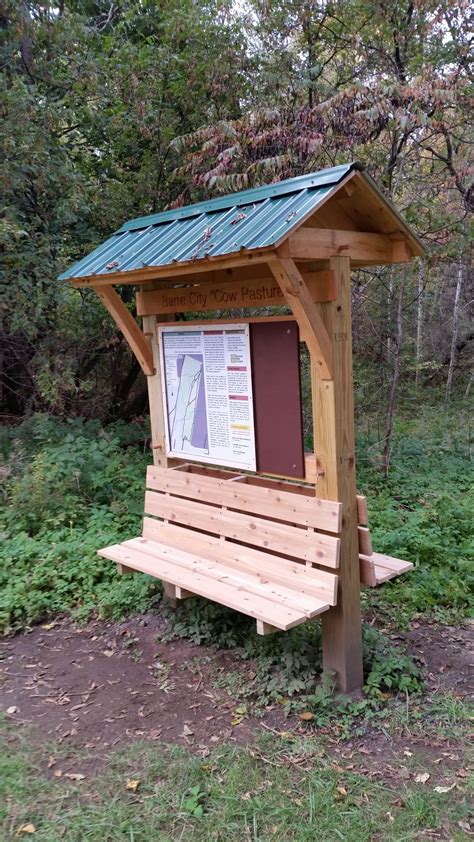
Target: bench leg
[
  {"x": 265, "y": 628},
  {"x": 170, "y": 594},
  {"x": 181, "y": 593},
  {"x": 174, "y": 593},
  {"x": 122, "y": 569}
]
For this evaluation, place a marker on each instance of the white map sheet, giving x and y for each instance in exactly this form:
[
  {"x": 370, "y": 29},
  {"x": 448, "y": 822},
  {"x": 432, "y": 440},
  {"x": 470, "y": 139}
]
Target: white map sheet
[{"x": 207, "y": 390}]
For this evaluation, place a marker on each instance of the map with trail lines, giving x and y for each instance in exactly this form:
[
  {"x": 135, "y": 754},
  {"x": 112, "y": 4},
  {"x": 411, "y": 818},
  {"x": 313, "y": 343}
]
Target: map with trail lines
[
  {"x": 187, "y": 419},
  {"x": 207, "y": 391}
]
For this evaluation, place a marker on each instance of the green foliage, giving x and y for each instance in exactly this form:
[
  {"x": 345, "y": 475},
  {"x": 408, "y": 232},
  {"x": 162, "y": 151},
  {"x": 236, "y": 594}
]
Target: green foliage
[
  {"x": 70, "y": 488},
  {"x": 423, "y": 513},
  {"x": 286, "y": 668},
  {"x": 194, "y": 802},
  {"x": 91, "y": 99},
  {"x": 73, "y": 487}
]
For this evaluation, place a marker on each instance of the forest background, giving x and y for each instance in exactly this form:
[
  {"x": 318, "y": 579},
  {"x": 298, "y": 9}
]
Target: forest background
[{"x": 116, "y": 110}]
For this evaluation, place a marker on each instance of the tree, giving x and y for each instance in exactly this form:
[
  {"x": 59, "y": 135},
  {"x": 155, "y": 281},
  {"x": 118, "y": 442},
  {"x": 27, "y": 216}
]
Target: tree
[{"x": 92, "y": 95}]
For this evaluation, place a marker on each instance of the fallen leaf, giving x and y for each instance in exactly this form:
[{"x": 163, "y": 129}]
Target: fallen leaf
[
  {"x": 187, "y": 731},
  {"x": 108, "y": 653},
  {"x": 75, "y": 776},
  {"x": 306, "y": 716},
  {"x": 58, "y": 773},
  {"x": 12, "y": 709},
  {"x": 444, "y": 788},
  {"x": 465, "y": 826},
  {"x": 154, "y": 734},
  {"x": 132, "y": 785},
  {"x": 26, "y": 828},
  {"x": 422, "y": 777},
  {"x": 408, "y": 753}
]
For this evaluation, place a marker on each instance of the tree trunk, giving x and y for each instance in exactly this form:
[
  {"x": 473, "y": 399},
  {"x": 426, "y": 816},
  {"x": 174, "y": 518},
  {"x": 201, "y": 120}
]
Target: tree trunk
[
  {"x": 396, "y": 347},
  {"x": 454, "y": 337},
  {"x": 389, "y": 312},
  {"x": 419, "y": 320}
]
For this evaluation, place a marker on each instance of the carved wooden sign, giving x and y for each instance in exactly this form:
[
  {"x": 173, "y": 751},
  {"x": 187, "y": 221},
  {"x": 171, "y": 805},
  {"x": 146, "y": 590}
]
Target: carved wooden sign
[{"x": 227, "y": 296}]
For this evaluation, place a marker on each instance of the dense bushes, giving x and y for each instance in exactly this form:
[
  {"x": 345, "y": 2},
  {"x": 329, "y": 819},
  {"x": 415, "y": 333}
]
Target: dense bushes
[
  {"x": 72, "y": 487},
  {"x": 69, "y": 488}
]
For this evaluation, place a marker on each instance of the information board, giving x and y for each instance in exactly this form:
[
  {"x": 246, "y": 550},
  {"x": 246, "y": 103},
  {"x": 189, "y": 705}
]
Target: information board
[{"x": 207, "y": 393}]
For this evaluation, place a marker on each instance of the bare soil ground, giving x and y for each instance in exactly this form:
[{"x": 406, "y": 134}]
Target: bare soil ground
[{"x": 100, "y": 685}]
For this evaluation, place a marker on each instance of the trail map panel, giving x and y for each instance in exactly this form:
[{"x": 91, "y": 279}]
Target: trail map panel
[{"x": 207, "y": 390}]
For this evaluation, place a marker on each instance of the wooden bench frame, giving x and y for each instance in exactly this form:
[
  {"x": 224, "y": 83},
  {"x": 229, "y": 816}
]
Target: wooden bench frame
[{"x": 267, "y": 548}]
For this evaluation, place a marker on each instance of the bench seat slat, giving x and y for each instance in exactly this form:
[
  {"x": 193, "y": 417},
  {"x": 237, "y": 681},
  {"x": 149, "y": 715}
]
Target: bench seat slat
[
  {"x": 377, "y": 568},
  {"x": 300, "y": 577},
  {"x": 305, "y": 510},
  {"x": 289, "y": 540},
  {"x": 223, "y": 592},
  {"x": 252, "y": 582}
]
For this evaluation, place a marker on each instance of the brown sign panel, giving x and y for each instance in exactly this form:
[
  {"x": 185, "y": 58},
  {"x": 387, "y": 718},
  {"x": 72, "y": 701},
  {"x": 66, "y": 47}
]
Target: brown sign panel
[{"x": 277, "y": 398}]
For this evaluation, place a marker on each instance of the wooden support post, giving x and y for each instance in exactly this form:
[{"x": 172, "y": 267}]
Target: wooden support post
[
  {"x": 123, "y": 570},
  {"x": 333, "y": 423},
  {"x": 155, "y": 397},
  {"x": 298, "y": 297},
  {"x": 128, "y": 326}
]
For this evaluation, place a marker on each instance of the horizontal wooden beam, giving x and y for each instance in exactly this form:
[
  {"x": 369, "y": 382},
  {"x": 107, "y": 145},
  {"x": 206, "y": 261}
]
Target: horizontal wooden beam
[
  {"x": 128, "y": 327},
  {"x": 320, "y": 244},
  {"x": 299, "y": 299},
  {"x": 189, "y": 267},
  {"x": 250, "y": 272},
  {"x": 224, "y": 296}
]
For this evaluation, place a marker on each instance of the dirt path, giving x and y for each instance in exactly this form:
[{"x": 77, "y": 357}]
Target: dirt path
[{"x": 99, "y": 685}]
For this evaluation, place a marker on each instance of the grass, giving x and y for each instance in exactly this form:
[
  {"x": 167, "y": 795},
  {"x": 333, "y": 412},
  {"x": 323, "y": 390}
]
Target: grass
[{"x": 278, "y": 789}]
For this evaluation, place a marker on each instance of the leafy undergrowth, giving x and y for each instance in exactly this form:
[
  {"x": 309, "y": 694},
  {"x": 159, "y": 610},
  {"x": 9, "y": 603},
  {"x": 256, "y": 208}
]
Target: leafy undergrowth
[
  {"x": 423, "y": 512},
  {"x": 282, "y": 788},
  {"x": 69, "y": 488},
  {"x": 75, "y": 486},
  {"x": 286, "y": 668},
  {"x": 72, "y": 487}
]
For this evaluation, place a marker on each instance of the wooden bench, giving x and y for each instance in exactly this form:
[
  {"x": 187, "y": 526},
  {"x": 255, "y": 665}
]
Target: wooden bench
[
  {"x": 267, "y": 548},
  {"x": 375, "y": 568}
]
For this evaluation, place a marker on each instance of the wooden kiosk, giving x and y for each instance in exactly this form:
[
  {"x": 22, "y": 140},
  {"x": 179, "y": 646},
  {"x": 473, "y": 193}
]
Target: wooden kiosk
[{"x": 282, "y": 546}]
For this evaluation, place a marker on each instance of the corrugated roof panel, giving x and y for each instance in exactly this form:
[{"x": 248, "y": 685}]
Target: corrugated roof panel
[{"x": 251, "y": 219}]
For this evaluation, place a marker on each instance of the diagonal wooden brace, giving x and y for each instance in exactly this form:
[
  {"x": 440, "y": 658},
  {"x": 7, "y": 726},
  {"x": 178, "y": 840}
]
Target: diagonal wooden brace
[
  {"x": 300, "y": 301},
  {"x": 128, "y": 326}
]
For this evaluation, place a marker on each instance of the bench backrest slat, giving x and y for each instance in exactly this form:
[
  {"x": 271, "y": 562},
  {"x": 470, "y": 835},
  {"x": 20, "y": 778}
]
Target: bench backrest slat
[
  {"x": 301, "y": 509},
  {"x": 283, "y": 538}
]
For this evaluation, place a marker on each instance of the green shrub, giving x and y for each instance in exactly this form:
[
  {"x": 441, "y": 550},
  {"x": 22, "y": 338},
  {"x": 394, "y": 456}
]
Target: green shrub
[{"x": 70, "y": 488}]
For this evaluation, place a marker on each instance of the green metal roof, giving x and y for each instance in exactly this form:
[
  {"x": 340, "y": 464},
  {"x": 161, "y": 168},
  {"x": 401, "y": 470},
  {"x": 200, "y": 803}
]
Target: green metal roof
[{"x": 251, "y": 219}]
